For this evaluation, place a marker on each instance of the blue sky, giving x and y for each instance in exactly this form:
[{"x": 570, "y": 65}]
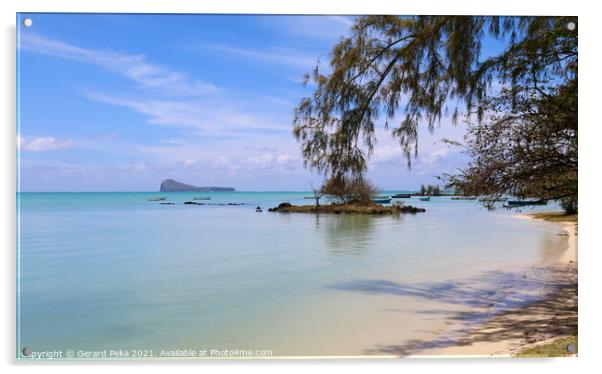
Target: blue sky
[{"x": 121, "y": 102}]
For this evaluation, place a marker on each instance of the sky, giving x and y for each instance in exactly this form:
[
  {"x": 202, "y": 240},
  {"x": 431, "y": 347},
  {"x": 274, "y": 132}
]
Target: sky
[{"x": 111, "y": 102}]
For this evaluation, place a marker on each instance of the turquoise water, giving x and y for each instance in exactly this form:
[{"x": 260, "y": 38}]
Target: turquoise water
[{"x": 115, "y": 271}]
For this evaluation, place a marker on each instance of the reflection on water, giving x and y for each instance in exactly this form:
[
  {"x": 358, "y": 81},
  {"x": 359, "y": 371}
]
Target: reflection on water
[{"x": 349, "y": 234}]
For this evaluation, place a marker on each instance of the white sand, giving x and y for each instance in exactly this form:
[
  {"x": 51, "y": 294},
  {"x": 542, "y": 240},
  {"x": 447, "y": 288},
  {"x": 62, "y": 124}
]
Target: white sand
[{"x": 552, "y": 317}]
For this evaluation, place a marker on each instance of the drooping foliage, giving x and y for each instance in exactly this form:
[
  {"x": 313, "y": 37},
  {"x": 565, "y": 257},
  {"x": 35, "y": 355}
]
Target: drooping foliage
[
  {"x": 530, "y": 151},
  {"x": 411, "y": 71}
]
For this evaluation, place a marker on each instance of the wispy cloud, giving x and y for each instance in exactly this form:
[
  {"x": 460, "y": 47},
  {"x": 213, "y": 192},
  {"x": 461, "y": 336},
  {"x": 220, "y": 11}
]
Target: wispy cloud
[
  {"x": 437, "y": 154},
  {"x": 200, "y": 115},
  {"x": 271, "y": 56},
  {"x": 215, "y": 112},
  {"x": 386, "y": 153},
  {"x": 327, "y": 28},
  {"x": 133, "y": 66},
  {"x": 40, "y": 144},
  {"x": 233, "y": 161},
  {"x": 343, "y": 20}
]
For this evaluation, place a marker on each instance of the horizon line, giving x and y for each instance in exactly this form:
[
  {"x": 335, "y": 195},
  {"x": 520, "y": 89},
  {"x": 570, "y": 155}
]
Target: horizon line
[{"x": 139, "y": 191}]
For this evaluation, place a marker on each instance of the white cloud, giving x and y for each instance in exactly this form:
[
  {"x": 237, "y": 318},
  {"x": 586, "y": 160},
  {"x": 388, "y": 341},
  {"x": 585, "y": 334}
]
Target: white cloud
[
  {"x": 270, "y": 160},
  {"x": 283, "y": 159},
  {"x": 327, "y": 28},
  {"x": 41, "y": 144},
  {"x": 440, "y": 152},
  {"x": 272, "y": 56},
  {"x": 343, "y": 20},
  {"x": 386, "y": 153},
  {"x": 189, "y": 162},
  {"x": 224, "y": 118},
  {"x": 223, "y": 157},
  {"x": 133, "y": 66}
]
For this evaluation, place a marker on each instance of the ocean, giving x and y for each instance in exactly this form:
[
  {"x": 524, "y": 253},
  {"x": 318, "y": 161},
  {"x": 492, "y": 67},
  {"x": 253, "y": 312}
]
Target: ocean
[{"x": 115, "y": 271}]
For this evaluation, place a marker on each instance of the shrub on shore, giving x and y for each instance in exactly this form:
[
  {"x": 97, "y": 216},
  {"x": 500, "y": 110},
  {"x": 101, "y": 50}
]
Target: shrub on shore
[{"x": 350, "y": 189}]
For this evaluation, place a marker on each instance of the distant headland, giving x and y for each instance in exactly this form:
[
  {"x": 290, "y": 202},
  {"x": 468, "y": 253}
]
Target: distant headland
[{"x": 170, "y": 185}]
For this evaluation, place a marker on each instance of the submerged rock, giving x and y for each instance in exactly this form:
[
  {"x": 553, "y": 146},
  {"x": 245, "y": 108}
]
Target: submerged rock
[
  {"x": 411, "y": 209},
  {"x": 193, "y": 203}
]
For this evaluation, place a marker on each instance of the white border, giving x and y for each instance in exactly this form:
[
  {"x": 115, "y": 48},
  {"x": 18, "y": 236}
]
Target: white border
[{"x": 589, "y": 156}]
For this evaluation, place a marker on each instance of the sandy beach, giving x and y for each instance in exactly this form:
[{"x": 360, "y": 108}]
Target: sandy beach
[{"x": 551, "y": 317}]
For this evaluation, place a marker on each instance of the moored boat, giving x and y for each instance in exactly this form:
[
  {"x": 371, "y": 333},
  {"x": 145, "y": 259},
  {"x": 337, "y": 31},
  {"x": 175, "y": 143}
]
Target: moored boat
[
  {"x": 193, "y": 203},
  {"x": 156, "y": 198},
  {"x": 427, "y": 198},
  {"x": 381, "y": 201},
  {"x": 464, "y": 198},
  {"x": 492, "y": 199},
  {"x": 402, "y": 196},
  {"x": 517, "y": 203}
]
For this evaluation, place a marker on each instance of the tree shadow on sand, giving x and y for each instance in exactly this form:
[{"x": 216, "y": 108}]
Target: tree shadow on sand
[{"x": 503, "y": 306}]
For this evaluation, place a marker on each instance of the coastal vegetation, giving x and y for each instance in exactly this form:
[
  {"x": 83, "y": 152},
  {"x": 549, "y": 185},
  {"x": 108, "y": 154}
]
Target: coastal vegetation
[
  {"x": 527, "y": 149},
  {"x": 560, "y": 347},
  {"x": 347, "y": 190},
  {"x": 520, "y": 105},
  {"x": 350, "y": 195},
  {"x": 317, "y": 193},
  {"x": 431, "y": 190},
  {"x": 556, "y": 217}
]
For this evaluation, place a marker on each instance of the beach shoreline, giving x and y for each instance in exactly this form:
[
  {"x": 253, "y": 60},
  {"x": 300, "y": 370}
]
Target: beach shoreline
[{"x": 549, "y": 318}]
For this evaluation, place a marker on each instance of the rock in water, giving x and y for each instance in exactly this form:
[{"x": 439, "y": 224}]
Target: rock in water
[{"x": 170, "y": 185}]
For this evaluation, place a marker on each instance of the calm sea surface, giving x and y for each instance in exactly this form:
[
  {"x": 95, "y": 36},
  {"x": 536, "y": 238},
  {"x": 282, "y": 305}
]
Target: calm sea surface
[{"x": 116, "y": 271}]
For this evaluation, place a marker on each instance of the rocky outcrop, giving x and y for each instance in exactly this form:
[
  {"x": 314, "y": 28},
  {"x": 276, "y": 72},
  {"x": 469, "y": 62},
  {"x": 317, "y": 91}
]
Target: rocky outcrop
[
  {"x": 170, "y": 185},
  {"x": 346, "y": 209}
]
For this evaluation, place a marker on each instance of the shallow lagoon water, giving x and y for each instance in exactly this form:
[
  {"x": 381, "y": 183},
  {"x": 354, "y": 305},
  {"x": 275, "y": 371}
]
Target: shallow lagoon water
[{"x": 115, "y": 271}]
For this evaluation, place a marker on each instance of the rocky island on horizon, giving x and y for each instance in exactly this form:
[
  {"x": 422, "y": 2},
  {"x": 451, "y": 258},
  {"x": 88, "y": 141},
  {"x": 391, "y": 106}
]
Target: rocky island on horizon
[{"x": 170, "y": 185}]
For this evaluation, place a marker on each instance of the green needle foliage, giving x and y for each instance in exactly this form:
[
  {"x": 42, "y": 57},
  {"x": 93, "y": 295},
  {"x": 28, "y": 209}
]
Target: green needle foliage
[{"x": 421, "y": 68}]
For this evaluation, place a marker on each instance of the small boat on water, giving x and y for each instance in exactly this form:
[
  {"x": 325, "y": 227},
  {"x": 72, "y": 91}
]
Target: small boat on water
[
  {"x": 427, "y": 198},
  {"x": 464, "y": 198},
  {"x": 202, "y": 198},
  {"x": 167, "y": 203},
  {"x": 156, "y": 198},
  {"x": 381, "y": 201},
  {"x": 402, "y": 196},
  {"x": 517, "y": 203},
  {"x": 492, "y": 199}
]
